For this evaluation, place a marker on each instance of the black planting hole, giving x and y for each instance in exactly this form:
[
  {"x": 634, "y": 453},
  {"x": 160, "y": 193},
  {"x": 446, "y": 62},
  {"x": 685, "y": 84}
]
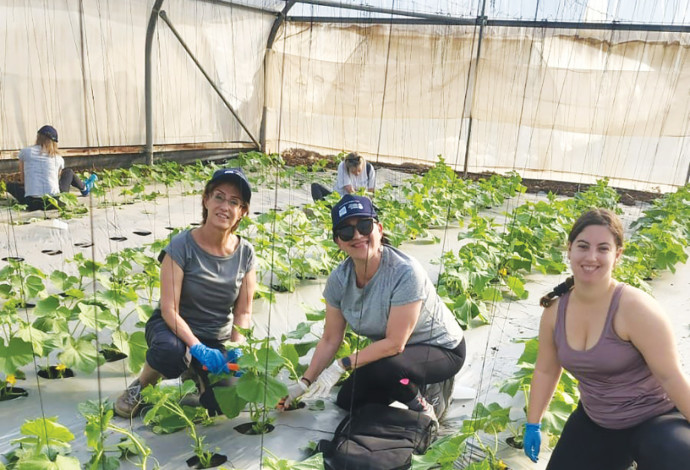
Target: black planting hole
[
  {"x": 257, "y": 212},
  {"x": 84, "y": 244},
  {"x": 195, "y": 224},
  {"x": 216, "y": 459},
  {"x": 141, "y": 233},
  {"x": 279, "y": 288},
  {"x": 52, "y": 252},
  {"x": 511, "y": 442},
  {"x": 27, "y": 305},
  {"x": 11, "y": 393},
  {"x": 170, "y": 228},
  {"x": 13, "y": 258},
  {"x": 113, "y": 354},
  {"x": 118, "y": 239},
  {"x": 248, "y": 429},
  {"x": 52, "y": 373}
]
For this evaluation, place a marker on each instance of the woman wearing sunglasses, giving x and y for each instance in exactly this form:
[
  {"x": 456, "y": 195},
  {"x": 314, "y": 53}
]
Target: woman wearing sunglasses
[{"x": 385, "y": 295}]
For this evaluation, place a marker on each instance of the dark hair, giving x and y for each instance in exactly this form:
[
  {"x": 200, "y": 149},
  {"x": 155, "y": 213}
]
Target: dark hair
[
  {"x": 603, "y": 217},
  {"x": 561, "y": 289},
  {"x": 208, "y": 189}
]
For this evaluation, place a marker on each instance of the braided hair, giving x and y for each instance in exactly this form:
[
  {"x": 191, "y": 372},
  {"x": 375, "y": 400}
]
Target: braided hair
[{"x": 561, "y": 289}]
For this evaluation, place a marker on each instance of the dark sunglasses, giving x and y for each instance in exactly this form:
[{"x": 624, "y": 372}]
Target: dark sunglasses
[{"x": 347, "y": 232}]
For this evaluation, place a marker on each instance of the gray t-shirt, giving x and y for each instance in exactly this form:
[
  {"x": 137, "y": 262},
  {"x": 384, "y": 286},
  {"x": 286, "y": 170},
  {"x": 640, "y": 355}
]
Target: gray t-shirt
[
  {"x": 41, "y": 171},
  {"x": 211, "y": 284},
  {"x": 399, "y": 280}
]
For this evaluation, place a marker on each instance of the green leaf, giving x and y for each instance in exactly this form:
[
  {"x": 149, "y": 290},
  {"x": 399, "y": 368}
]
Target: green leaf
[
  {"x": 137, "y": 351},
  {"x": 18, "y": 353},
  {"x": 45, "y": 431},
  {"x": 80, "y": 354},
  {"x": 95, "y": 317},
  {"x": 254, "y": 389},
  {"x": 229, "y": 402},
  {"x": 42, "y": 462}
]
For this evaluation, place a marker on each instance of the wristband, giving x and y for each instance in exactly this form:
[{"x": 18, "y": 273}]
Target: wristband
[
  {"x": 308, "y": 382},
  {"x": 346, "y": 362}
]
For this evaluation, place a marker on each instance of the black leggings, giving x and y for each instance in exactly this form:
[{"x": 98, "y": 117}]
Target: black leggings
[
  {"x": 660, "y": 443},
  {"x": 319, "y": 192},
  {"x": 380, "y": 381},
  {"x": 67, "y": 178}
]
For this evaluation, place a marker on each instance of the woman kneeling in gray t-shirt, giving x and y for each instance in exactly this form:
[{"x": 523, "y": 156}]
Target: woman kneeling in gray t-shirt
[
  {"x": 385, "y": 295},
  {"x": 208, "y": 281}
]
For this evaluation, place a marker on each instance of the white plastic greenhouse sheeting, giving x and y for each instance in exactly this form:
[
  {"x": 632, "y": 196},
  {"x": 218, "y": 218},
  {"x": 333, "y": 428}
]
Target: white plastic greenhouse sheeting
[
  {"x": 83, "y": 72},
  {"x": 557, "y": 104},
  {"x": 491, "y": 354},
  {"x": 554, "y": 104}
]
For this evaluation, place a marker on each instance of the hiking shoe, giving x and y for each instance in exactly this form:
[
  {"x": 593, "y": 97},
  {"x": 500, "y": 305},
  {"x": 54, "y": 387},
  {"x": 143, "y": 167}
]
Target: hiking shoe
[
  {"x": 129, "y": 403},
  {"x": 89, "y": 184}
]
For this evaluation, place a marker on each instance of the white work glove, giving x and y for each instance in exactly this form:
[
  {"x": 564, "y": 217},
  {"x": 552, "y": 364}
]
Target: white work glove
[
  {"x": 295, "y": 391},
  {"x": 323, "y": 385}
]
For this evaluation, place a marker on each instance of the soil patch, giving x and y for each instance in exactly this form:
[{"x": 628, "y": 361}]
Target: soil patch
[{"x": 629, "y": 197}]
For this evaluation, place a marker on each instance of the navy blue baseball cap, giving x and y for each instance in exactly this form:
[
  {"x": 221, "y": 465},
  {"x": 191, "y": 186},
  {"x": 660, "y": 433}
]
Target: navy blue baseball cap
[
  {"x": 352, "y": 206},
  {"x": 50, "y": 132},
  {"x": 237, "y": 176}
]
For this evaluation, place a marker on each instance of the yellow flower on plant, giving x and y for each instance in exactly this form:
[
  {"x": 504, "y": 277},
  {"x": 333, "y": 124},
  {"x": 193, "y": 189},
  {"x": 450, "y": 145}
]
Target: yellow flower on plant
[
  {"x": 503, "y": 272},
  {"x": 60, "y": 367},
  {"x": 500, "y": 465},
  {"x": 11, "y": 380}
]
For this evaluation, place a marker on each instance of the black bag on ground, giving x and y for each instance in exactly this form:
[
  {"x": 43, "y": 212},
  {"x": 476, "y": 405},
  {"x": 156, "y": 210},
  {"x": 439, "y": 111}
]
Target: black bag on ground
[{"x": 377, "y": 437}]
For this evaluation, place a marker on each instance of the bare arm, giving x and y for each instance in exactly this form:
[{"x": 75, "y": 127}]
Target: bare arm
[
  {"x": 349, "y": 188},
  {"x": 650, "y": 331},
  {"x": 242, "y": 312},
  {"x": 171, "y": 286},
  {"x": 333, "y": 334},
  {"x": 547, "y": 370},
  {"x": 401, "y": 323}
]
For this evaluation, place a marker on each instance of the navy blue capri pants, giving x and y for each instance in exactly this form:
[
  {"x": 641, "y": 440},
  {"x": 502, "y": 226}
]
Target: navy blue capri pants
[{"x": 167, "y": 354}]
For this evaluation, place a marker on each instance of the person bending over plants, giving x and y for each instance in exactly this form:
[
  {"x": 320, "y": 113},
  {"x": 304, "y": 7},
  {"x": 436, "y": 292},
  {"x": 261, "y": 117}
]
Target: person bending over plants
[
  {"x": 385, "y": 295},
  {"x": 208, "y": 281},
  {"x": 42, "y": 173},
  {"x": 617, "y": 341},
  {"x": 354, "y": 173}
]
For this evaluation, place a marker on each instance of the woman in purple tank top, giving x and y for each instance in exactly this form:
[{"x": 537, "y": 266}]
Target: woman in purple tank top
[{"x": 617, "y": 341}]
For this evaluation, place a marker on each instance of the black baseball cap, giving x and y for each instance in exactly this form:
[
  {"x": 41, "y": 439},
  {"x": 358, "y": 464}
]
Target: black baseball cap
[
  {"x": 50, "y": 132},
  {"x": 237, "y": 176},
  {"x": 351, "y": 205}
]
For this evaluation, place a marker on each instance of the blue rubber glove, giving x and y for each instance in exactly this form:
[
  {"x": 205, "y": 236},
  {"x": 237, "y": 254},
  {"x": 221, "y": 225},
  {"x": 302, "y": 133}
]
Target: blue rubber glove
[
  {"x": 532, "y": 441},
  {"x": 234, "y": 355},
  {"x": 212, "y": 359}
]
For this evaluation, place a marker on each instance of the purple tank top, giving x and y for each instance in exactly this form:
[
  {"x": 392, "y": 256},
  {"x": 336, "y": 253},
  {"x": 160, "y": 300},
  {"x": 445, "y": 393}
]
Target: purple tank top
[{"x": 617, "y": 389}]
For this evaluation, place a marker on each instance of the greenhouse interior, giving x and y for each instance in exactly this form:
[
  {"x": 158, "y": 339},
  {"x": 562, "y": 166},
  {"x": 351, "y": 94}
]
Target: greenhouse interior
[{"x": 491, "y": 126}]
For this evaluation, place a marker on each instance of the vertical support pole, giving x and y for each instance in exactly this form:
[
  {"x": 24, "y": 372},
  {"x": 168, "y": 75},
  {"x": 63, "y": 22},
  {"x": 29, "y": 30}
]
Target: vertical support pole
[
  {"x": 471, "y": 85},
  {"x": 148, "y": 96}
]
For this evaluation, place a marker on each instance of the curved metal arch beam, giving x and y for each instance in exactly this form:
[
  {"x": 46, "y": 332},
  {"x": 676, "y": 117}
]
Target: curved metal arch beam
[
  {"x": 280, "y": 19},
  {"x": 148, "y": 99}
]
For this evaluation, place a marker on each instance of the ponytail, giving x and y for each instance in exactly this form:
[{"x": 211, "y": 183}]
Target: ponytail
[{"x": 559, "y": 290}]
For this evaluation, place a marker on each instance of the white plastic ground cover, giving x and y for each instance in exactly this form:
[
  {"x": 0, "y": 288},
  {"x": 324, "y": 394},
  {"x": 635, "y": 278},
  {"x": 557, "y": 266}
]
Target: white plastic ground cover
[{"x": 491, "y": 353}]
